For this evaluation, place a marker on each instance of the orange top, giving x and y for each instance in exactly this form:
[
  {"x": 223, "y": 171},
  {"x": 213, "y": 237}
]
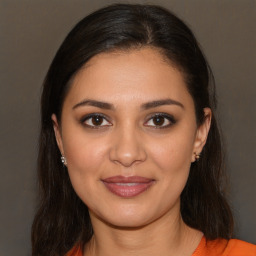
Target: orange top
[
  {"x": 218, "y": 247},
  {"x": 223, "y": 247}
]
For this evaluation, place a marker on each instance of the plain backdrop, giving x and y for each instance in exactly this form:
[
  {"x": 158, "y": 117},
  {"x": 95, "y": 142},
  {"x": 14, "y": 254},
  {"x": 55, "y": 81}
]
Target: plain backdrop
[{"x": 30, "y": 33}]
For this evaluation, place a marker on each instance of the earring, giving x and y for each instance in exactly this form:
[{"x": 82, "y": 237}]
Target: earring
[
  {"x": 63, "y": 160},
  {"x": 197, "y": 156}
]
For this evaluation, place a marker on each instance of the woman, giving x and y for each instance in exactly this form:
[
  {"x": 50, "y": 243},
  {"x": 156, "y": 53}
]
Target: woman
[{"x": 130, "y": 159}]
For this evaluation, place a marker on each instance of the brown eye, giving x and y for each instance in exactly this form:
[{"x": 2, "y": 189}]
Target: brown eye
[
  {"x": 160, "y": 120},
  {"x": 95, "y": 121}
]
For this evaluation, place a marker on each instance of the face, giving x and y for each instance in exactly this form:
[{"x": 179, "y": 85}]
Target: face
[{"x": 128, "y": 131}]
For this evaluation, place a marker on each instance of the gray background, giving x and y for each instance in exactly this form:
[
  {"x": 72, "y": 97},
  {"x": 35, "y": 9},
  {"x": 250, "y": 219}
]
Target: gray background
[{"x": 31, "y": 32}]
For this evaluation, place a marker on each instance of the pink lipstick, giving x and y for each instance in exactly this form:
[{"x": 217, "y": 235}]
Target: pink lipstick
[{"x": 127, "y": 186}]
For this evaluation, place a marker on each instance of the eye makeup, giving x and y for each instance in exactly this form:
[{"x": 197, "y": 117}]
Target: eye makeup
[
  {"x": 95, "y": 121},
  {"x": 155, "y": 121},
  {"x": 160, "y": 121}
]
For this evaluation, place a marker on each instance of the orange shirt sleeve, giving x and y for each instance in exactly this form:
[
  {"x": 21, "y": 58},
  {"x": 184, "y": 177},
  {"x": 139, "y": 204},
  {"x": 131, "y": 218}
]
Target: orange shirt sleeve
[
  {"x": 222, "y": 247},
  {"x": 75, "y": 251},
  {"x": 218, "y": 247}
]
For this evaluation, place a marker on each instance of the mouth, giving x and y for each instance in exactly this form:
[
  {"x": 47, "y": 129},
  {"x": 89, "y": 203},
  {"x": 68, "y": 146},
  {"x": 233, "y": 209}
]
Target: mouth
[{"x": 127, "y": 187}]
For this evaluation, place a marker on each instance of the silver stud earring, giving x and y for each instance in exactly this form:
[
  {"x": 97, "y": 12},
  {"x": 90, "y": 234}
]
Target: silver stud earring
[{"x": 63, "y": 160}]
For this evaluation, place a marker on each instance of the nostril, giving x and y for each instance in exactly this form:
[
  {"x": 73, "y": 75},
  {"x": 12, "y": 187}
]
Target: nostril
[{"x": 127, "y": 155}]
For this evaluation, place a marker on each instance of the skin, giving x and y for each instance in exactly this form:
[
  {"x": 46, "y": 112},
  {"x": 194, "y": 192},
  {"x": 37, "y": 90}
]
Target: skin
[{"x": 128, "y": 141}]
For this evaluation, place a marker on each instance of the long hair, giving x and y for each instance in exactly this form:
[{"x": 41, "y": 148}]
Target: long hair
[{"x": 62, "y": 219}]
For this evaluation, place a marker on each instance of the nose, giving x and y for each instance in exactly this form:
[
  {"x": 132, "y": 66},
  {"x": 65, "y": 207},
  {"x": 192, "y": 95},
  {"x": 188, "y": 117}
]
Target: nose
[{"x": 127, "y": 147}]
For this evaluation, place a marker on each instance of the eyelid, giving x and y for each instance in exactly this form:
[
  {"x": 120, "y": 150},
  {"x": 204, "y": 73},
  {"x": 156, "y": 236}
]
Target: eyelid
[
  {"x": 91, "y": 115},
  {"x": 169, "y": 117}
]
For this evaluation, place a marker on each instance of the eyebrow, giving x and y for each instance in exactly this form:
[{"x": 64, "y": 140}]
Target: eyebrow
[
  {"x": 145, "y": 106},
  {"x": 157, "y": 103},
  {"x": 94, "y": 103}
]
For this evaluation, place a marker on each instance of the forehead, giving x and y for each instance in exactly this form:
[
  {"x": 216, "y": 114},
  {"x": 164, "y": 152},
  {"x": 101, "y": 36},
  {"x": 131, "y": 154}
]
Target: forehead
[{"x": 125, "y": 76}]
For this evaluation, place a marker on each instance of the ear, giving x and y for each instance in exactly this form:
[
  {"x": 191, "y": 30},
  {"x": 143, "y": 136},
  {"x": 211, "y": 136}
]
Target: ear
[
  {"x": 202, "y": 134},
  {"x": 57, "y": 132}
]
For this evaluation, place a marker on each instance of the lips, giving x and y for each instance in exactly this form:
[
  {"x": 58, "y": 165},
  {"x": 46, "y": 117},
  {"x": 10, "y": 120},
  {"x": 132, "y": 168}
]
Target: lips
[{"x": 127, "y": 186}]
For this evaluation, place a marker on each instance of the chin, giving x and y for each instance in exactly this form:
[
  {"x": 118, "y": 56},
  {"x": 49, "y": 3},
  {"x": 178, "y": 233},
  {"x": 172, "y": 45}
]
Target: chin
[
  {"x": 124, "y": 217},
  {"x": 128, "y": 222}
]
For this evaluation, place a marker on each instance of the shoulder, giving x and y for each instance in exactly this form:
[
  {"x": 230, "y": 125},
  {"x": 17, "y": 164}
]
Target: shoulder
[
  {"x": 75, "y": 251},
  {"x": 237, "y": 247},
  {"x": 223, "y": 247}
]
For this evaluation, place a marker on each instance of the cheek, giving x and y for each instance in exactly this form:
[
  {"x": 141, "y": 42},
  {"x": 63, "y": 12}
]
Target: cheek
[
  {"x": 85, "y": 158},
  {"x": 173, "y": 153},
  {"x": 174, "y": 165},
  {"x": 173, "y": 159}
]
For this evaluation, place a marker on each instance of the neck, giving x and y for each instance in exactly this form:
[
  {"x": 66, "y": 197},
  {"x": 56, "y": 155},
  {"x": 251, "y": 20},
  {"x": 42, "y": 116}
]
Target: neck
[{"x": 165, "y": 236}]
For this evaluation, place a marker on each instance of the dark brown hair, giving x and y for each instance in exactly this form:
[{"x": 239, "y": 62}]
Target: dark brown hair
[{"x": 62, "y": 219}]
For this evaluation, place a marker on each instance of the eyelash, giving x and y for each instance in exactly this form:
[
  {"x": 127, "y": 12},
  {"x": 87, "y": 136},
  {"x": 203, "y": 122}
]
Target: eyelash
[
  {"x": 95, "y": 115},
  {"x": 170, "y": 119},
  {"x": 167, "y": 118}
]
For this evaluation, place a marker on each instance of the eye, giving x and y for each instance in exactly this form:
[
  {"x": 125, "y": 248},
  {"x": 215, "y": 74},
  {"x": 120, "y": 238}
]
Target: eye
[
  {"x": 95, "y": 121},
  {"x": 160, "y": 121}
]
